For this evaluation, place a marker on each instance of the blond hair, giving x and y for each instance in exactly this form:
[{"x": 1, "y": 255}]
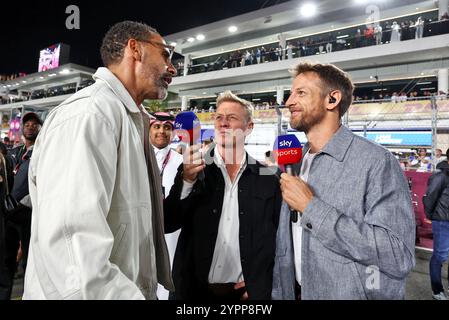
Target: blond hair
[{"x": 228, "y": 96}]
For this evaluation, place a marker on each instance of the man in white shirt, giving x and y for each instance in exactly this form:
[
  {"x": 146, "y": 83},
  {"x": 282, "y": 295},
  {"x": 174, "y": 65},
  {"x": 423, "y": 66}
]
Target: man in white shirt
[
  {"x": 229, "y": 219},
  {"x": 168, "y": 161}
]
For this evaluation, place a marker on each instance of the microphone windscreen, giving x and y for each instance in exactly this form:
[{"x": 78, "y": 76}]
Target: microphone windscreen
[
  {"x": 287, "y": 149},
  {"x": 188, "y": 127}
]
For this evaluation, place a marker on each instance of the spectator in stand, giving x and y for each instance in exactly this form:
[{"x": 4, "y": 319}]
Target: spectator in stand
[
  {"x": 258, "y": 55},
  {"x": 320, "y": 45},
  {"x": 308, "y": 47},
  {"x": 358, "y": 39},
  {"x": 281, "y": 53},
  {"x": 406, "y": 34},
  {"x": 289, "y": 51},
  {"x": 378, "y": 34},
  {"x": 330, "y": 41},
  {"x": 395, "y": 97},
  {"x": 369, "y": 35},
  {"x": 263, "y": 54},
  {"x": 234, "y": 59},
  {"x": 248, "y": 60},
  {"x": 403, "y": 97},
  {"x": 421, "y": 162},
  {"x": 386, "y": 33},
  {"x": 419, "y": 25},
  {"x": 300, "y": 48},
  {"x": 439, "y": 158},
  {"x": 395, "y": 32}
]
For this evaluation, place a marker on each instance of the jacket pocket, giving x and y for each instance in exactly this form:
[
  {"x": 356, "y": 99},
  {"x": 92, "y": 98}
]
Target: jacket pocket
[{"x": 118, "y": 239}]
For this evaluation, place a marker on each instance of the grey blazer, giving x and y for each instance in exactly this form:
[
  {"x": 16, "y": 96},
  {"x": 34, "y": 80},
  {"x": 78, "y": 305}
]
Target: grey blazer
[{"x": 359, "y": 230}]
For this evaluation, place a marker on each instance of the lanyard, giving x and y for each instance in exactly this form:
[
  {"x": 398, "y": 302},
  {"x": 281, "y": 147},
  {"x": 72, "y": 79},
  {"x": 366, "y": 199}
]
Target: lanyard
[
  {"x": 164, "y": 164},
  {"x": 22, "y": 155}
]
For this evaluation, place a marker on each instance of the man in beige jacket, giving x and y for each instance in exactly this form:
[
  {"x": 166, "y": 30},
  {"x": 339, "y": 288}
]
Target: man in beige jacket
[{"x": 97, "y": 229}]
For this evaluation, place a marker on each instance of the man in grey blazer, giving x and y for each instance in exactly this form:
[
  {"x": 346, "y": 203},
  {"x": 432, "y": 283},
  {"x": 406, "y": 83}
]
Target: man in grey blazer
[{"x": 356, "y": 231}]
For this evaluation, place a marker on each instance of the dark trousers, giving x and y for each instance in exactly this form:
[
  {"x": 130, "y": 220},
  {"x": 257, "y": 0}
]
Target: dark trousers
[
  {"x": 17, "y": 230},
  {"x": 297, "y": 291},
  {"x": 5, "y": 284},
  {"x": 225, "y": 292},
  {"x": 440, "y": 254}
]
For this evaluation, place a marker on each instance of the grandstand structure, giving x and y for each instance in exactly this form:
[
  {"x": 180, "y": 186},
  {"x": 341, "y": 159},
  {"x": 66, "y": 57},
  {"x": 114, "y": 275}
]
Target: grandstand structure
[
  {"x": 342, "y": 32},
  {"x": 39, "y": 92},
  {"x": 416, "y": 63}
]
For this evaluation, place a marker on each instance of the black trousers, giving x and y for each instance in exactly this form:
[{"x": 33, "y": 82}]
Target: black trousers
[
  {"x": 17, "y": 230},
  {"x": 225, "y": 292},
  {"x": 5, "y": 284}
]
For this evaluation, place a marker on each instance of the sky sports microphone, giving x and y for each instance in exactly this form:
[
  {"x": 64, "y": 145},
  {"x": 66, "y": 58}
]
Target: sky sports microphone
[
  {"x": 188, "y": 130},
  {"x": 288, "y": 151}
]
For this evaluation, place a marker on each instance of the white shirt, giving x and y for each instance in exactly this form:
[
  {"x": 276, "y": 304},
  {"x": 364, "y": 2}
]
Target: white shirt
[
  {"x": 226, "y": 266},
  {"x": 171, "y": 168},
  {"x": 296, "y": 227},
  {"x": 424, "y": 167},
  {"x": 168, "y": 178}
]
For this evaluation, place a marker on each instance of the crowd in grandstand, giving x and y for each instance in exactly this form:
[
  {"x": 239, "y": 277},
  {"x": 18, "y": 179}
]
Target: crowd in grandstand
[{"x": 360, "y": 36}]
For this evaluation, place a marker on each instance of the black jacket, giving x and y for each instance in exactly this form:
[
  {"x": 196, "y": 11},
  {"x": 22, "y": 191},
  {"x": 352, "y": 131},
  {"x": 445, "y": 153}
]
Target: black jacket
[
  {"x": 21, "y": 158},
  {"x": 436, "y": 199},
  {"x": 199, "y": 216}
]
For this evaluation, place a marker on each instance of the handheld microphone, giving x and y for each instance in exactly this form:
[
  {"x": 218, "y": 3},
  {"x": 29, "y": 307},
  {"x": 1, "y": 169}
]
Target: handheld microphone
[
  {"x": 188, "y": 130},
  {"x": 288, "y": 151}
]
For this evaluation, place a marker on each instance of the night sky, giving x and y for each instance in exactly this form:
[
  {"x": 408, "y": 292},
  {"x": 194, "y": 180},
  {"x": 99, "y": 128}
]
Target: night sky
[{"x": 28, "y": 27}]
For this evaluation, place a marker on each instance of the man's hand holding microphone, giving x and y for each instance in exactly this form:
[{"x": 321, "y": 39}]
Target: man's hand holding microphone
[
  {"x": 295, "y": 192},
  {"x": 188, "y": 129},
  {"x": 193, "y": 163}
]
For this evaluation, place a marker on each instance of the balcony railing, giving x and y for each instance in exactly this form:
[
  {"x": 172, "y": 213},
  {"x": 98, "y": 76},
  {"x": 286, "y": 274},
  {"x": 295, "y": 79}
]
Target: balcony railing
[{"x": 314, "y": 45}]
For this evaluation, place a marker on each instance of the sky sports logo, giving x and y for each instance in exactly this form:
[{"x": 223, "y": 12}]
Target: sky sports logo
[{"x": 287, "y": 149}]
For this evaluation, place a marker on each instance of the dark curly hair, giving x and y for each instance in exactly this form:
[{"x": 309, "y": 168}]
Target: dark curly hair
[{"x": 116, "y": 39}]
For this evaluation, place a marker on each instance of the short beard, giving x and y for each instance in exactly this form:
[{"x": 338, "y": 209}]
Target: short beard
[
  {"x": 305, "y": 124},
  {"x": 31, "y": 138},
  {"x": 162, "y": 92}
]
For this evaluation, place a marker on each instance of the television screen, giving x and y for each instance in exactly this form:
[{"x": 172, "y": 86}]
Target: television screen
[{"x": 49, "y": 58}]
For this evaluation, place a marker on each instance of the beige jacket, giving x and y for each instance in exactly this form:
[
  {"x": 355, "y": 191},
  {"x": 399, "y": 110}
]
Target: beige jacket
[{"x": 92, "y": 231}]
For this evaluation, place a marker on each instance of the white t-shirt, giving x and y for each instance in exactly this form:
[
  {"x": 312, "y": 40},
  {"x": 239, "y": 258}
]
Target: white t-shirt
[{"x": 296, "y": 227}]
